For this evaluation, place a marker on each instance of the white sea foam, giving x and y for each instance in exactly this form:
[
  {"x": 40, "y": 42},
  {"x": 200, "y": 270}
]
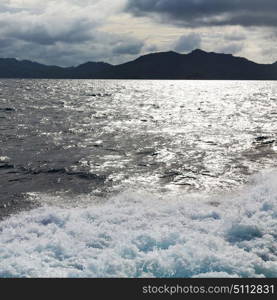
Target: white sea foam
[
  {"x": 136, "y": 234},
  {"x": 4, "y": 159}
]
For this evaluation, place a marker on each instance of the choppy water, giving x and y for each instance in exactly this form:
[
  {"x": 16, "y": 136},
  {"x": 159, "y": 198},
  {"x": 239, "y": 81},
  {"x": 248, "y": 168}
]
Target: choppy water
[{"x": 138, "y": 178}]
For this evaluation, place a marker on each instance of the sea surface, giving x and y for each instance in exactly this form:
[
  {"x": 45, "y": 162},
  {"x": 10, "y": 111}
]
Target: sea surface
[{"x": 138, "y": 178}]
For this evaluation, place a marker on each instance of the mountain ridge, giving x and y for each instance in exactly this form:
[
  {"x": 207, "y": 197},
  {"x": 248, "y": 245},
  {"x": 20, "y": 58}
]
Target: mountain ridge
[{"x": 198, "y": 64}]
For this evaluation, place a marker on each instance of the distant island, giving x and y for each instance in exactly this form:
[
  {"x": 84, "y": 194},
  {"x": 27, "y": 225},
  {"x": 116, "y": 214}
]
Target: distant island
[{"x": 163, "y": 65}]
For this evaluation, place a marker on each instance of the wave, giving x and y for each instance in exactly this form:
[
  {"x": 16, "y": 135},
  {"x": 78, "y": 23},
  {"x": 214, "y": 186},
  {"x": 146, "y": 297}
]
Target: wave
[
  {"x": 65, "y": 171},
  {"x": 5, "y": 163},
  {"x": 138, "y": 234},
  {"x": 7, "y": 109}
]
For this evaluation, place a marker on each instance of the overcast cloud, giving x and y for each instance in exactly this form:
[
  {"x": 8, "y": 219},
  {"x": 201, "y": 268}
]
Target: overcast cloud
[
  {"x": 70, "y": 32},
  {"x": 188, "y": 42},
  {"x": 63, "y": 32}
]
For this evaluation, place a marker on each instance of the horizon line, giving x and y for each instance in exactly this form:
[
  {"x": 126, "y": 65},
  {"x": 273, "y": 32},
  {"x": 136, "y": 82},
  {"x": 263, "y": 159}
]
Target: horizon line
[{"x": 142, "y": 55}]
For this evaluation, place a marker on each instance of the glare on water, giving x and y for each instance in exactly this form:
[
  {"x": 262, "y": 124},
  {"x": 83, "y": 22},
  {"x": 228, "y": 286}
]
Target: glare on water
[{"x": 138, "y": 178}]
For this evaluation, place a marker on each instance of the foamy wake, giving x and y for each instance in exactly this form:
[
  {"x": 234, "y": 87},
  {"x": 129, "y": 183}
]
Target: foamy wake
[{"x": 139, "y": 235}]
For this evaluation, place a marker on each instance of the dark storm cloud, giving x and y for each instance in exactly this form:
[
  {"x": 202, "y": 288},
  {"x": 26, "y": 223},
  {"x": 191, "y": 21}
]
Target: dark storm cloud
[
  {"x": 6, "y": 42},
  {"x": 196, "y": 13}
]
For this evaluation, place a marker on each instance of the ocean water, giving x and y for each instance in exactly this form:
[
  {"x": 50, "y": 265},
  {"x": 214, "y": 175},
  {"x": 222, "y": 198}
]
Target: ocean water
[{"x": 138, "y": 178}]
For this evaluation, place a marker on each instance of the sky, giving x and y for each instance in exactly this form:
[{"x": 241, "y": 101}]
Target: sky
[{"x": 71, "y": 32}]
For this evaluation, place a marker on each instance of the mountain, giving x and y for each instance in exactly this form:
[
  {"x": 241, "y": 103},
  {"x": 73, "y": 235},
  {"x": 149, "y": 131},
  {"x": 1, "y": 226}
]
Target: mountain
[
  {"x": 196, "y": 65},
  {"x": 163, "y": 65},
  {"x": 13, "y": 68},
  {"x": 90, "y": 70}
]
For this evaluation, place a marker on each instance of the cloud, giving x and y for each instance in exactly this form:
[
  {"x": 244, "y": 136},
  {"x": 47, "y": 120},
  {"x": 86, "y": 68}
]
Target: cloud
[
  {"x": 128, "y": 46},
  {"x": 63, "y": 32},
  {"x": 231, "y": 48},
  {"x": 50, "y": 22},
  {"x": 197, "y": 13},
  {"x": 235, "y": 36},
  {"x": 69, "y": 32},
  {"x": 104, "y": 47},
  {"x": 75, "y": 32},
  {"x": 188, "y": 42}
]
